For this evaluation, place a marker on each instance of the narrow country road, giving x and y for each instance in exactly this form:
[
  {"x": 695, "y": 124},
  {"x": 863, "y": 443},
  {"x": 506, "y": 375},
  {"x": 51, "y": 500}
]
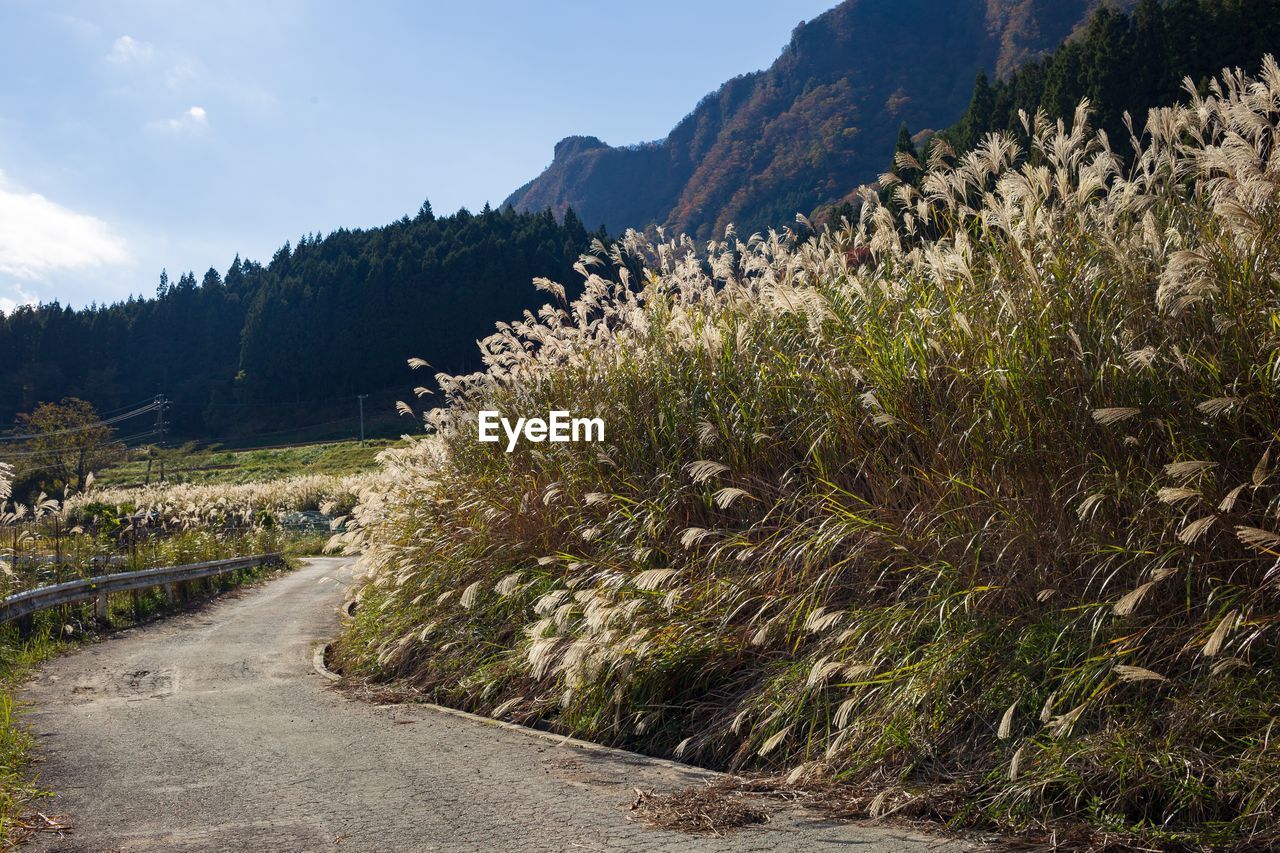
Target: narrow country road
[{"x": 212, "y": 731}]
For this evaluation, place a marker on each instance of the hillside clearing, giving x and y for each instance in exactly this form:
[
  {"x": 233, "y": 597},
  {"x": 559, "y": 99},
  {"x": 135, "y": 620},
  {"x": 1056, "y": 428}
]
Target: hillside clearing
[{"x": 192, "y": 463}]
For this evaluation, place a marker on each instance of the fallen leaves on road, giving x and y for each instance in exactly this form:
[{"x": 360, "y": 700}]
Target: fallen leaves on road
[
  {"x": 712, "y": 809},
  {"x": 36, "y": 822}
]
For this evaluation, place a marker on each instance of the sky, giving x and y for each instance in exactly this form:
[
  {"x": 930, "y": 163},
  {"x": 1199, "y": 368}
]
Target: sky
[{"x": 137, "y": 135}]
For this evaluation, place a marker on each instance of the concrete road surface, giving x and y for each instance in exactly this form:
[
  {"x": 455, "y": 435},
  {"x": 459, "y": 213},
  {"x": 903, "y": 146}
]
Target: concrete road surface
[{"x": 212, "y": 731}]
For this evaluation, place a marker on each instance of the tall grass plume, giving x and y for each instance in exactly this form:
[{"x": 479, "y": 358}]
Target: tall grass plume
[{"x": 978, "y": 494}]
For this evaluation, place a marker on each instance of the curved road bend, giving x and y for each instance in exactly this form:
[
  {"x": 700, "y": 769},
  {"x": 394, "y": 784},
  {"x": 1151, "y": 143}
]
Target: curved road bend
[{"x": 211, "y": 731}]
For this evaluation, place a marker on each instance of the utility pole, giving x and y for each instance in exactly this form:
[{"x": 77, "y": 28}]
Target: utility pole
[
  {"x": 361, "y": 397},
  {"x": 162, "y": 427},
  {"x": 162, "y": 424}
]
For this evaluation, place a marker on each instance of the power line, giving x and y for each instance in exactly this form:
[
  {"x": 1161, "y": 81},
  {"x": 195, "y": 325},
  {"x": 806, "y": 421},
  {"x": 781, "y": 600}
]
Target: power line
[
  {"x": 133, "y": 414},
  {"x": 58, "y": 451},
  {"x": 161, "y": 405},
  {"x": 140, "y": 410},
  {"x": 116, "y": 411},
  {"x": 95, "y": 425}
]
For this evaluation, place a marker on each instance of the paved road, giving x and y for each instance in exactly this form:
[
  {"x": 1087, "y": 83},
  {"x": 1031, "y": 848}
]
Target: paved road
[{"x": 211, "y": 731}]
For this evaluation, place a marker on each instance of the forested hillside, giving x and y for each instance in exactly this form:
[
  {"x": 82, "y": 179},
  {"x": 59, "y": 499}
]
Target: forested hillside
[
  {"x": 328, "y": 317},
  {"x": 1121, "y": 63},
  {"x": 811, "y": 128},
  {"x": 1126, "y": 63}
]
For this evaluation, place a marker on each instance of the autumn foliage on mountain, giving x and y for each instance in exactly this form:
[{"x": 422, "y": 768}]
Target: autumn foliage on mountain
[{"x": 819, "y": 122}]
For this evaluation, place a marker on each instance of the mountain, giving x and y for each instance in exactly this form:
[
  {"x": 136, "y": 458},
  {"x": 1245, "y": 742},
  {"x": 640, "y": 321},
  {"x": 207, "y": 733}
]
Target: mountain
[{"x": 820, "y": 121}]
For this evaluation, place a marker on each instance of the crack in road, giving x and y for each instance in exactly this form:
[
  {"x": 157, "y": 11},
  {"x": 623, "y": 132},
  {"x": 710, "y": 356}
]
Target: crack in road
[{"x": 238, "y": 744}]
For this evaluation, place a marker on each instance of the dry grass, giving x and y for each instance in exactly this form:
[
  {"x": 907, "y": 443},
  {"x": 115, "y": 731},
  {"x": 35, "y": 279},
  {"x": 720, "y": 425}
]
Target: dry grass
[
  {"x": 994, "y": 513},
  {"x": 196, "y": 505},
  {"x": 712, "y": 809}
]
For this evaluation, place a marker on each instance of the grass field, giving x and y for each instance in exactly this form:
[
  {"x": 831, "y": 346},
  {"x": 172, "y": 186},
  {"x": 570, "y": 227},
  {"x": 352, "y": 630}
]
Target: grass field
[{"x": 191, "y": 463}]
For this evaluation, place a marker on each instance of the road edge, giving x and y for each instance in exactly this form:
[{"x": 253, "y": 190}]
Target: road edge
[{"x": 321, "y": 668}]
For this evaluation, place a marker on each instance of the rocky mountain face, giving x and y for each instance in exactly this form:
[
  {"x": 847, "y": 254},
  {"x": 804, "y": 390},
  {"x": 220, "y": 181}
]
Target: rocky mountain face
[{"x": 806, "y": 132}]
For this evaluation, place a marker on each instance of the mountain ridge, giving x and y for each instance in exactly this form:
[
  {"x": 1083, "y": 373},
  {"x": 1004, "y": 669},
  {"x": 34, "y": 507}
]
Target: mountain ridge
[{"x": 821, "y": 120}]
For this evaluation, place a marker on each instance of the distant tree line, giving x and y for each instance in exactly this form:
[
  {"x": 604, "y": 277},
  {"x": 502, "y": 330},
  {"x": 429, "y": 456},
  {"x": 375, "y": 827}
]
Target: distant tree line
[
  {"x": 1126, "y": 63},
  {"x": 331, "y": 316},
  {"x": 1122, "y": 62}
]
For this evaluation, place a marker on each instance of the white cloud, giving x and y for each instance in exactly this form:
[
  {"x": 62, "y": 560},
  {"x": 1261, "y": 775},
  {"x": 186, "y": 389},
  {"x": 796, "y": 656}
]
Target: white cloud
[
  {"x": 178, "y": 71},
  {"x": 38, "y": 236},
  {"x": 193, "y": 119},
  {"x": 78, "y": 27},
  {"x": 18, "y": 297},
  {"x": 181, "y": 73},
  {"x": 127, "y": 49}
]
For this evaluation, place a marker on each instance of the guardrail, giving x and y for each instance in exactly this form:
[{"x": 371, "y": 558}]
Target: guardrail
[{"x": 98, "y": 588}]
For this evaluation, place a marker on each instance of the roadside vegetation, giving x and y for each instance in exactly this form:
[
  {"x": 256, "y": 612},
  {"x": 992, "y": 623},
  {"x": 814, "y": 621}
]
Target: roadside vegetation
[
  {"x": 17, "y": 790},
  {"x": 204, "y": 505},
  {"x": 971, "y": 505},
  {"x": 109, "y": 530}
]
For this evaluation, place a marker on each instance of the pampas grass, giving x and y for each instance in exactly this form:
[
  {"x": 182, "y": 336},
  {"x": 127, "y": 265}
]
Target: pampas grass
[
  {"x": 51, "y": 540},
  {"x": 994, "y": 513},
  {"x": 194, "y": 505}
]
